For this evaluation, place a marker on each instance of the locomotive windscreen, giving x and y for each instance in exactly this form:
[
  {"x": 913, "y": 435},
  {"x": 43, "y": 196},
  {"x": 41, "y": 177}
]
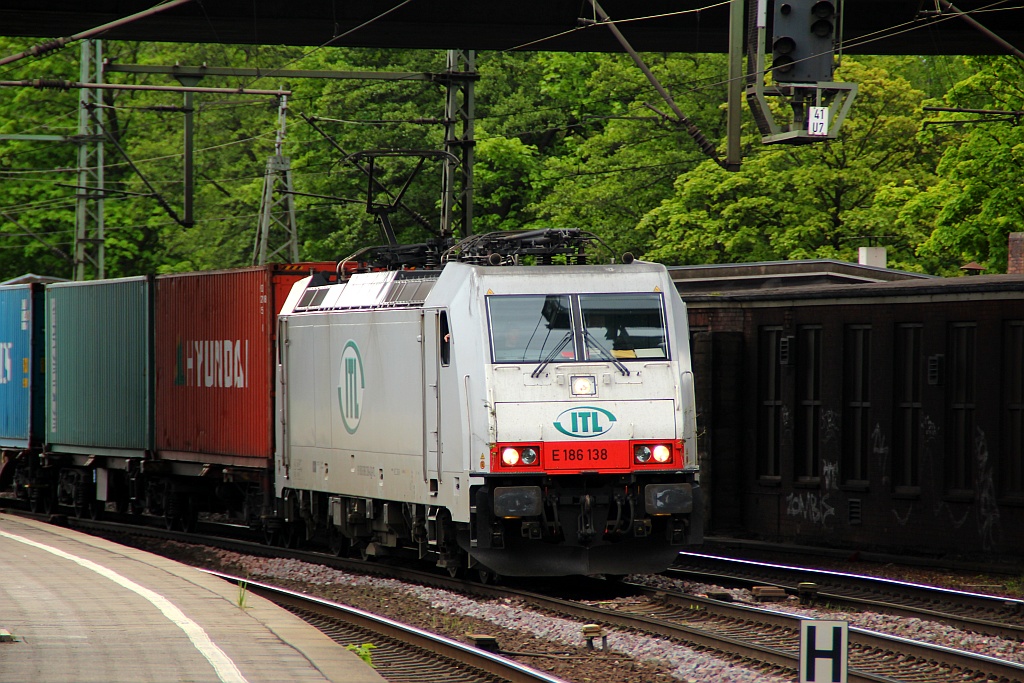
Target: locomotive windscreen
[
  {"x": 527, "y": 329},
  {"x": 631, "y": 325},
  {"x": 545, "y": 328}
]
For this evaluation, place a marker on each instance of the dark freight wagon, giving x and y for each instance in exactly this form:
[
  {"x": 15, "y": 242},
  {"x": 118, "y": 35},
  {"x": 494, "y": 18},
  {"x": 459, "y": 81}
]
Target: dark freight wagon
[
  {"x": 213, "y": 336},
  {"x": 21, "y": 367},
  {"x": 883, "y": 416}
]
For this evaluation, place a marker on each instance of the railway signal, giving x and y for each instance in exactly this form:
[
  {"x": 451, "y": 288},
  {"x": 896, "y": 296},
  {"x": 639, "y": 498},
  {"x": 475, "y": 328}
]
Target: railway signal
[
  {"x": 803, "y": 39},
  {"x": 803, "y": 44}
]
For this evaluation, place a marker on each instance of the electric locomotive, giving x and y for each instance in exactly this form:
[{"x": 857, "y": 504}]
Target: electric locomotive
[{"x": 515, "y": 420}]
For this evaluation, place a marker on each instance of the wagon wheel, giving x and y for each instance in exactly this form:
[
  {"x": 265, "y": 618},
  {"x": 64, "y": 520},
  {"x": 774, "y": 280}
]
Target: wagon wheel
[
  {"x": 188, "y": 518},
  {"x": 86, "y": 508},
  {"x": 170, "y": 503},
  {"x": 84, "y": 503},
  {"x": 121, "y": 505},
  {"x": 40, "y": 500}
]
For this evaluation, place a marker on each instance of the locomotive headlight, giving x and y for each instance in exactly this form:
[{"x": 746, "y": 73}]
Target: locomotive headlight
[
  {"x": 642, "y": 454},
  {"x": 529, "y": 456},
  {"x": 510, "y": 457},
  {"x": 662, "y": 453}
]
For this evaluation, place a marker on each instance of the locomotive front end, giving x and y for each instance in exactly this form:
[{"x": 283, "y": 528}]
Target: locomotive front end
[{"x": 592, "y": 467}]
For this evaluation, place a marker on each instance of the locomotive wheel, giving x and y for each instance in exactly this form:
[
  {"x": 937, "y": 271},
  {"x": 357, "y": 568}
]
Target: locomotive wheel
[
  {"x": 487, "y": 577},
  {"x": 289, "y": 535},
  {"x": 337, "y": 542}
]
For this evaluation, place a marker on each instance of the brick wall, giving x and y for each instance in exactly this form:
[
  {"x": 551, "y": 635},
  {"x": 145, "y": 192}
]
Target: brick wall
[{"x": 1015, "y": 265}]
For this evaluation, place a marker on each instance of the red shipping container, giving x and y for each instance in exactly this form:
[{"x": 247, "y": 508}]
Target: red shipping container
[{"x": 214, "y": 335}]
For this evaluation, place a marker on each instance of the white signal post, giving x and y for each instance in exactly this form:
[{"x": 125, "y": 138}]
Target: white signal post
[{"x": 824, "y": 651}]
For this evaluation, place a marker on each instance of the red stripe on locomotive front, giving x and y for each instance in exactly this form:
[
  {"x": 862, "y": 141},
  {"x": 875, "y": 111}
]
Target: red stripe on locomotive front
[{"x": 569, "y": 457}]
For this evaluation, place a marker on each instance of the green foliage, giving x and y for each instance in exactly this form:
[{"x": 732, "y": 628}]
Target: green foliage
[
  {"x": 812, "y": 201},
  {"x": 243, "y": 594},
  {"x": 977, "y": 202},
  {"x": 364, "y": 652},
  {"x": 610, "y": 179},
  {"x": 562, "y": 140}
]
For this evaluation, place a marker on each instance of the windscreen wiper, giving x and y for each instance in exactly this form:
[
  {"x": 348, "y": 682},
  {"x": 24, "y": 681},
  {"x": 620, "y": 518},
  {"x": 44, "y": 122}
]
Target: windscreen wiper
[
  {"x": 607, "y": 354},
  {"x": 552, "y": 355}
]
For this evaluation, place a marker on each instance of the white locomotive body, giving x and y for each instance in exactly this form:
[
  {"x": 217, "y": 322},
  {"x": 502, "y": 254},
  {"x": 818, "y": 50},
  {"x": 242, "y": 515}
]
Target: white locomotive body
[{"x": 518, "y": 420}]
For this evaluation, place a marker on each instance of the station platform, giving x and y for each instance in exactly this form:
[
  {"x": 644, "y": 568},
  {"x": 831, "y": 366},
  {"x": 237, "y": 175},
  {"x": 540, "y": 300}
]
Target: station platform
[{"x": 81, "y": 609}]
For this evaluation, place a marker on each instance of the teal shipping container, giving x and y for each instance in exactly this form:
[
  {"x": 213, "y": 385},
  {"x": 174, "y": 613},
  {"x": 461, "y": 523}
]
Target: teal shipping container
[
  {"x": 21, "y": 367},
  {"x": 99, "y": 377}
]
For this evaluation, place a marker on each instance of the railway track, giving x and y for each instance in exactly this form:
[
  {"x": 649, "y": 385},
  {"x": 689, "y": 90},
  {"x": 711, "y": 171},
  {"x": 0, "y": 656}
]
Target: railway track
[
  {"x": 756, "y": 638},
  {"x": 1001, "y": 617},
  {"x": 401, "y": 653},
  {"x": 872, "y": 656}
]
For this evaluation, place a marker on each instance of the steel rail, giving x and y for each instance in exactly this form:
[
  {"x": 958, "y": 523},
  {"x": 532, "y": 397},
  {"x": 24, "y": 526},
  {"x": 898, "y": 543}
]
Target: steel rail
[
  {"x": 874, "y": 646},
  {"x": 862, "y": 641},
  {"x": 974, "y": 611},
  {"x": 502, "y": 667}
]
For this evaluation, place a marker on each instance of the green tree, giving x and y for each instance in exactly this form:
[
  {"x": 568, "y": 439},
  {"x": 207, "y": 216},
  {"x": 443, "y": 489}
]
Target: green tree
[
  {"x": 610, "y": 178},
  {"x": 563, "y": 140},
  {"x": 978, "y": 200},
  {"x": 821, "y": 200}
]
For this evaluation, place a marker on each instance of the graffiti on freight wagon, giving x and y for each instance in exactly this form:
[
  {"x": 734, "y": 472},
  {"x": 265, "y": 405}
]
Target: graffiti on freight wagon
[{"x": 222, "y": 363}]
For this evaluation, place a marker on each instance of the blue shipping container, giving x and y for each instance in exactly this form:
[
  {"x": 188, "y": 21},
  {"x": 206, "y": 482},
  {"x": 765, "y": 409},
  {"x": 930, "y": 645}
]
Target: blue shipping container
[{"x": 21, "y": 366}]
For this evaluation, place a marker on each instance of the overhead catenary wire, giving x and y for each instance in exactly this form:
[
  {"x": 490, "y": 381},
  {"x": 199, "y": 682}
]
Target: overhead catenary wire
[
  {"x": 602, "y": 22},
  {"x": 337, "y": 37},
  {"x": 916, "y": 25},
  {"x": 43, "y": 48}
]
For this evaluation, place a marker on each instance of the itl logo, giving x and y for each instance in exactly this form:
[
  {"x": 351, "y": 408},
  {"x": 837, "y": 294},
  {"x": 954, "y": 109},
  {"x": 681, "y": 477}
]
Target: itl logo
[
  {"x": 350, "y": 387},
  {"x": 584, "y": 422},
  {"x": 5, "y": 362}
]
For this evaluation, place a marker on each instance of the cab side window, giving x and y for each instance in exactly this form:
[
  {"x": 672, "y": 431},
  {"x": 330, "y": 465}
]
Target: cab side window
[{"x": 445, "y": 342}]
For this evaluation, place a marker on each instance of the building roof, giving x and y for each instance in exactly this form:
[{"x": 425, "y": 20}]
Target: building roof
[
  {"x": 737, "y": 277},
  {"x": 29, "y": 278}
]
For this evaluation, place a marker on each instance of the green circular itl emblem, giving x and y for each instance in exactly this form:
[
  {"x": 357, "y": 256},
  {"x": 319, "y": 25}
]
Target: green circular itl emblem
[{"x": 350, "y": 387}]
